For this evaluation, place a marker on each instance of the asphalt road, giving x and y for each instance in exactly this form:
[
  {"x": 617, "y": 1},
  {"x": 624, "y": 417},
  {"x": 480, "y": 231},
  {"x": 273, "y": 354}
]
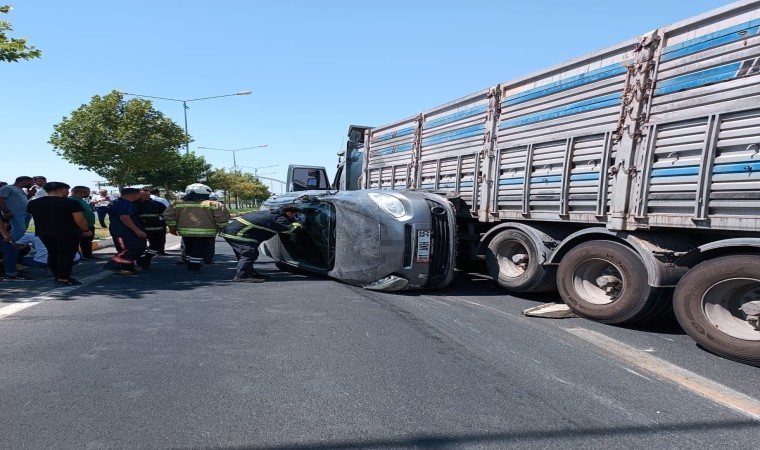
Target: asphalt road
[{"x": 170, "y": 360}]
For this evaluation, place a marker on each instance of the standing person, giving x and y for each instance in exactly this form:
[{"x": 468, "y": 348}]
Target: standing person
[
  {"x": 13, "y": 201},
  {"x": 38, "y": 188},
  {"x": 155, "y": 194},
  {"x": 244, "y": 234},
  {"x": 80, "y": 193},
  {"x": 60, "y": 224},
  {"x": 197, "y": 219},
  {"x": 128, "y": 233},
  {"x": 101, "y": 202},
  {"x": 151, "y": 213}
]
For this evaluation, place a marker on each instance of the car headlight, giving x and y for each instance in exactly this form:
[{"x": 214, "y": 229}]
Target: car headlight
[{"x": 388, "y": 203}]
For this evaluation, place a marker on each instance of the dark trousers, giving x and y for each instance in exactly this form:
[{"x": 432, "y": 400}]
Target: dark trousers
[
  {"x": 85, "y": 244},
  {"x": 129, "y": 249},
  {"x": 61, "y": 251},
  {"x": 10, "y": 257},
  {"x": 157, "y": 241},
  {"x": 246, "y": 253},
  {"x": 198, "y": 250},
  {"x": 208, "y": 260},
  {"x": 102, "y": 213}
]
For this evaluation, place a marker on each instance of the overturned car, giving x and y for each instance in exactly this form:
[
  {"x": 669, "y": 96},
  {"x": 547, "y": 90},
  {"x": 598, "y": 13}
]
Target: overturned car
[{"x": 378, "y": 239}]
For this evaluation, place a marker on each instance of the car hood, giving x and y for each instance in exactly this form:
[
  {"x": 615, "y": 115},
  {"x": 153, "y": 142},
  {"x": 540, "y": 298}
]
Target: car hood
[{"x": 358, "y": 229}]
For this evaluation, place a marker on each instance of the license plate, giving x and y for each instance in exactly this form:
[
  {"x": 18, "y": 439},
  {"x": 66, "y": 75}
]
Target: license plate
[{"x": 423, "y": 246}]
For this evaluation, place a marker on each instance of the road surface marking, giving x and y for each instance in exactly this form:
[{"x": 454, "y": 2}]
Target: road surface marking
[
  {"x": 52, "y": 294},
  {"x": 16, "y": 307},
  {"x": 665, "y": 370}
]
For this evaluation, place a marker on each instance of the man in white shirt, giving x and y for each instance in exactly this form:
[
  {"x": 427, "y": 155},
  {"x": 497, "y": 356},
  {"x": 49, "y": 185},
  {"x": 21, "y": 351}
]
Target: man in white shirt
[
  {"x": 101, "y": 202},
  {"x": 36, "y": 190},
  {"x": 155, "y": 194},
  {"x": 40, "y": 256}
]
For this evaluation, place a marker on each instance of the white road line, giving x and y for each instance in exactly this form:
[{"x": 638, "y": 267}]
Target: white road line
[
  {"x": 16, "y": 307},
  {"x": 52, "y": 294},
  {"x": 707, "y": 388}
]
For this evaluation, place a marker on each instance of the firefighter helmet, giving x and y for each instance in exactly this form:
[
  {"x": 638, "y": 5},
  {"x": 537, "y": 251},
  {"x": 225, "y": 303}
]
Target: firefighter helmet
[{"x": 198, "y": 188}]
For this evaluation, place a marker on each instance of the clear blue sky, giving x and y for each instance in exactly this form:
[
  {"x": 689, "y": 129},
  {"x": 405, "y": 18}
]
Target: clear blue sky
[{"x": 315, "y": 66}]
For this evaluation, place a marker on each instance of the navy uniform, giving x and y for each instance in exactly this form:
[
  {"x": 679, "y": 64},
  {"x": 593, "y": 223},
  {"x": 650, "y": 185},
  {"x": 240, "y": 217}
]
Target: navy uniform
[
  {"x": 245, "y": 233},
  {"x": 151, "y": 213}
]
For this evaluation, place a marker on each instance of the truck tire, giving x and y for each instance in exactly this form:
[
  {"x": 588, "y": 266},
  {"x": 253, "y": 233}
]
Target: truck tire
[
  {"x": 707, "y": 304},
  {"x": 606, "y": 281},
  {"x": 512, "y": 261}
]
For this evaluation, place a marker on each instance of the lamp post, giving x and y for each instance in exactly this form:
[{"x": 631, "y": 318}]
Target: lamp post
[
  {"x": 234, "y": 161},
  {"x": 185, "y": 107},
  {"x": 256, "y": 169}
]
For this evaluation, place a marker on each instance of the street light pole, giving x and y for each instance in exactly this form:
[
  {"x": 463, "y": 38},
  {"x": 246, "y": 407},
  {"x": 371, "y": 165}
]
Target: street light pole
[
  {"x": 234, "y": 160},
  {"x": 185, "y": 107}
]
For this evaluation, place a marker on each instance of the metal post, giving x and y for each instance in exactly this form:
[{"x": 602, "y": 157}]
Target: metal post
[{"x": 187, "y": 135}]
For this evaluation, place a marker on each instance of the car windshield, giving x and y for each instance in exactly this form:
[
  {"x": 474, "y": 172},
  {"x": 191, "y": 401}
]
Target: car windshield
[{"x": 315, "y": 245}]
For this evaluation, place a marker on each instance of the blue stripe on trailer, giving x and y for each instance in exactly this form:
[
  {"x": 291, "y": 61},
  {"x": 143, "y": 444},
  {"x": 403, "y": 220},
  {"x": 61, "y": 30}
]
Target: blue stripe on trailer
[
  {"x": 697, "y": 79},
  {"x": 456, "y": 116},
  {"x": 428, "y": 186},
  {"x": 551, "y": 179},
  {"x": 390, "y": 150},
  {"x": 568, "y": 83},
  {"x": 675, "y": 171},
  {"x": 461, "y": 133},
  {"x": 585, "y": 176},
  {"x": 740, "y": 167},
  {"x": 724, "y": 36},
  {"x": 397, "y": 133},
  {"x": 511, "y": 181},
  {"x": 750, "y": 166},
  {"x": 575, "y": 108}
]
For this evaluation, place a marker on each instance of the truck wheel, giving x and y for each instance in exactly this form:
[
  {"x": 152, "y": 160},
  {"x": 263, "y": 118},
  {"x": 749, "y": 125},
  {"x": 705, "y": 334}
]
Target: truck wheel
[
  {"x": 607, "y": 282},
  {"x": 708, "y": 303},
  {"x": 512, "y": 260}
]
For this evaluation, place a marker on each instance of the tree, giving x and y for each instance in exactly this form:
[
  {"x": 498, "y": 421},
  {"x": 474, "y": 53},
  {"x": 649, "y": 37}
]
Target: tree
[
  {"x": 118, "y": 140},
  {"x": 186, "y": 169},
  {"x": 242, "y": 186},
  {"x": 13, "y": 49}
]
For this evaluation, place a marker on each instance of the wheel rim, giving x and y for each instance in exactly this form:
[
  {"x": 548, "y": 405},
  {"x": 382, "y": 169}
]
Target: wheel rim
[
  {"x": 721, "y": 304},
  {"x": 513, "y": 259},
  {"x": 598, "y": 281}
]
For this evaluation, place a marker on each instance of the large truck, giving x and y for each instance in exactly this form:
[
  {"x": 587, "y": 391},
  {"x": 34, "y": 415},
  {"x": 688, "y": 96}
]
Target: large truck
[{"x": 628, "y": 179}]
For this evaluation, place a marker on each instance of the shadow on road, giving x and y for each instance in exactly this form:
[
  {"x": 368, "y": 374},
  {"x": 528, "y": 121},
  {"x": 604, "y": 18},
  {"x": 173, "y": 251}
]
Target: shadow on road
[{"x": 556, "y": 437}]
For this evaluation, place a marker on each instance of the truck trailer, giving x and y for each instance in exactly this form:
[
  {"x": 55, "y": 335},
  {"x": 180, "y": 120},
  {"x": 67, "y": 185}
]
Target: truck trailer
[{"x": 628, "y": 179}]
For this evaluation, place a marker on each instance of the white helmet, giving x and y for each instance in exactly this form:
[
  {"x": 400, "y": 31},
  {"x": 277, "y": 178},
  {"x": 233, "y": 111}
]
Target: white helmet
[{"x": 198, "y": 189}]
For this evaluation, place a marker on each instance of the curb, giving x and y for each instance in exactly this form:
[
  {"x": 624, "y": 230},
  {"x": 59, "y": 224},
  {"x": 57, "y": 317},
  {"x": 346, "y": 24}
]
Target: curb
[{"x": 102, "y": 243}]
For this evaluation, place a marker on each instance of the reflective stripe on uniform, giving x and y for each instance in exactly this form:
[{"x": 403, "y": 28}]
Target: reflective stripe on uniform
[
  {"x": 150, "y": 215},
  {"x": 154, "y": 228},
  {"x": 197, "y": 231},
  {"x": 195, "y": 205}
]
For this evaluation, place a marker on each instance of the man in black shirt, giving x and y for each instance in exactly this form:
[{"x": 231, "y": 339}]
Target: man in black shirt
[{"x": 60, "y": 224}]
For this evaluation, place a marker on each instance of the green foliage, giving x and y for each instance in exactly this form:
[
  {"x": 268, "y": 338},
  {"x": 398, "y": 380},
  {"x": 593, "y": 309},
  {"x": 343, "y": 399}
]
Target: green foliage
[
  {"x": 244, "y": 186},
  {"x": 118, "y": 140},
  {"x": 175, "y": 176},
  {"x": 14, "y": 49}
]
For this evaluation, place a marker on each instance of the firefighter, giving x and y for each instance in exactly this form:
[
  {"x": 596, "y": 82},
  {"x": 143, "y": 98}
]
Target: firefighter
[
  {"x": 245, "y": 233},
  {"x": 197, "y": 220},
  {"x": 151, "y": 213}
]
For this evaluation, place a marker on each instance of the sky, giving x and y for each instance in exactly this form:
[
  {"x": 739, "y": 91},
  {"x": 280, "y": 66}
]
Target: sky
[{"x": 315, "y": 67}]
